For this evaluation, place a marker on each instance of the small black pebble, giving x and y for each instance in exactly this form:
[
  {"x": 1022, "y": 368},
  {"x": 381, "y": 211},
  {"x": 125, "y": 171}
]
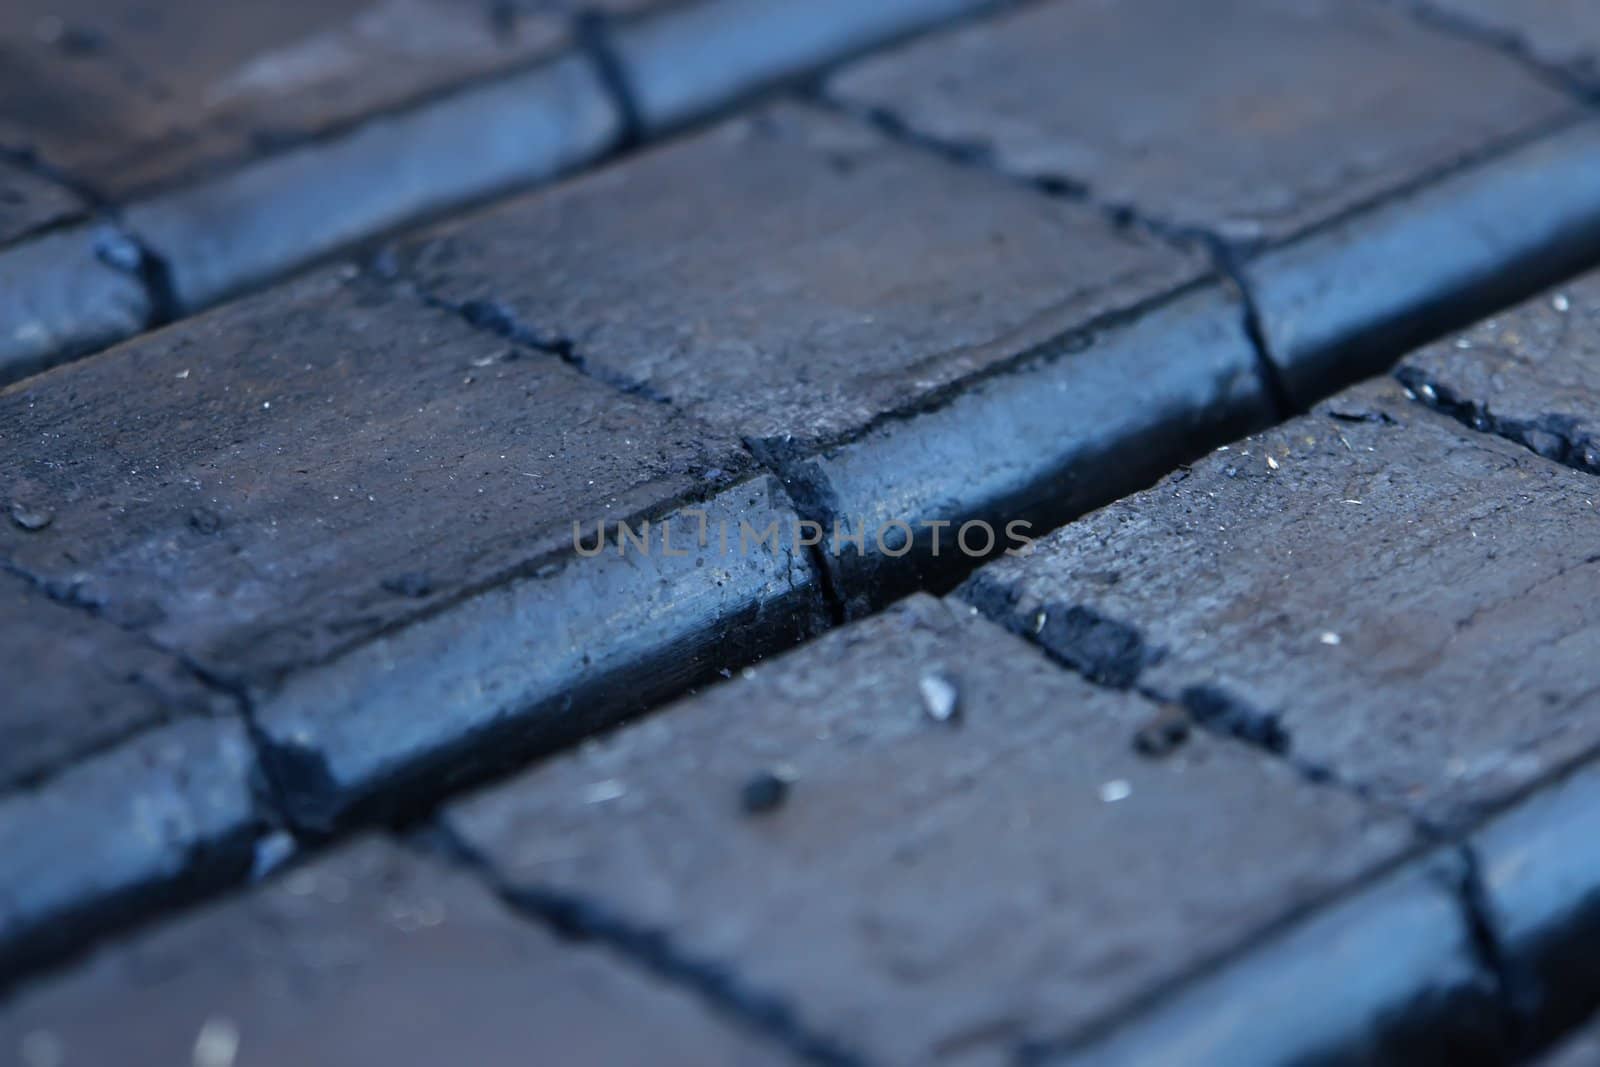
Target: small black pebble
[{"x": 763, "y": 793}]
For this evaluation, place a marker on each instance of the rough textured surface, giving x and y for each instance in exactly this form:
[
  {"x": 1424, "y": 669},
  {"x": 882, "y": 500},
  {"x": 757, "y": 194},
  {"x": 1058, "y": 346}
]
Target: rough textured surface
[
  {"x": 1541, "y": 878},
  {"x": 1415, "y": 603},
  {"x": 884, "y": 273},
  {"x": 545, "y": 661},
  {"x": 163, "y": 816},
  {"x": 128, "y": 94},
  {"x": 71, "y": 685},
  {"x": 244, "y": 227},
  {"x": 367, "y": 956},
  {"x": 1096, "y": 418},
  {"x": 58, "y": 298},
  {"x": 695, "y": 56},
  {"x": 1239, "y": 116},
  {"x": 1344, "y": 302},
  {"x": 1531, "y": 375},
  {"x": 1565, "y": 33},
  {"x": 1389, "y": 975},
  {"x": 29, "y": 202},
  {"x": 945, "y": 878},
  {"x": 289, "y": 475}
]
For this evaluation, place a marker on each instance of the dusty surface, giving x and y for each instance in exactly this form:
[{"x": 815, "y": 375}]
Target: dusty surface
[
  {"x": 1216, "y": 798},
  {"x": 368, "y": 955},
  {"x": 1531, "y": 375},
  {"x": 1373, "y": 588},
  {"x": 263, "y": 485},
  {"x": 884, "y": 273},
  {"x": 1241, "y": 117},
  {"x": 128, "y": 95},
  {"x": 971, "y": 852}
]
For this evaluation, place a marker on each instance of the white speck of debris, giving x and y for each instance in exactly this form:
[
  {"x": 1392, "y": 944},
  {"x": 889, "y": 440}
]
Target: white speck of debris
[
  {"x": 605, "y": 791},
  {"x": 1463, "y": 342},
  {"x": 217, "y": 1044},
  {"x": 938, "y": 697},
  {"x": 1561, "y": 303},
  {"x": 1352, "y": 500},
  {"x": 747, "y": 673},
  {"x": 1427, "y": 392},
  {"x": 266, "y": 405},
  {"x": 1115, "y": 790},
  {"x": 1328, "y": 637},
  {"x": 1039, "y": 620},
  {"x": 1272, "y": 463},
  {"x": 1223, "y": 448},
  {"x": 41, "y": 1048},
  {"x": 183, "y": 374}
]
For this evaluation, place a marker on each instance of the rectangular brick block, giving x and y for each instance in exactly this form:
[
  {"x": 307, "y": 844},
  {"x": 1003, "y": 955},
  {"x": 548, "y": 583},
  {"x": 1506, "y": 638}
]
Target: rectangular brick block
[
  {"x": 1531, "y": 374},
  {"x": 1344, "y": 302},
  {"x": 272, "y": 487},
  {"x": 367, "y": 955},
  {"x": 790, "y": 274},
  {"x": 1240, "y": 121},
  {"x": 927, "y": 841},
  {"x": 130, "y": 95},
  {"x": 268, "y": 484},
  {"x": 249, "y": 225},
  {"x": 1240, "y": 118},
  {"x": 1383, "y": 593}
]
